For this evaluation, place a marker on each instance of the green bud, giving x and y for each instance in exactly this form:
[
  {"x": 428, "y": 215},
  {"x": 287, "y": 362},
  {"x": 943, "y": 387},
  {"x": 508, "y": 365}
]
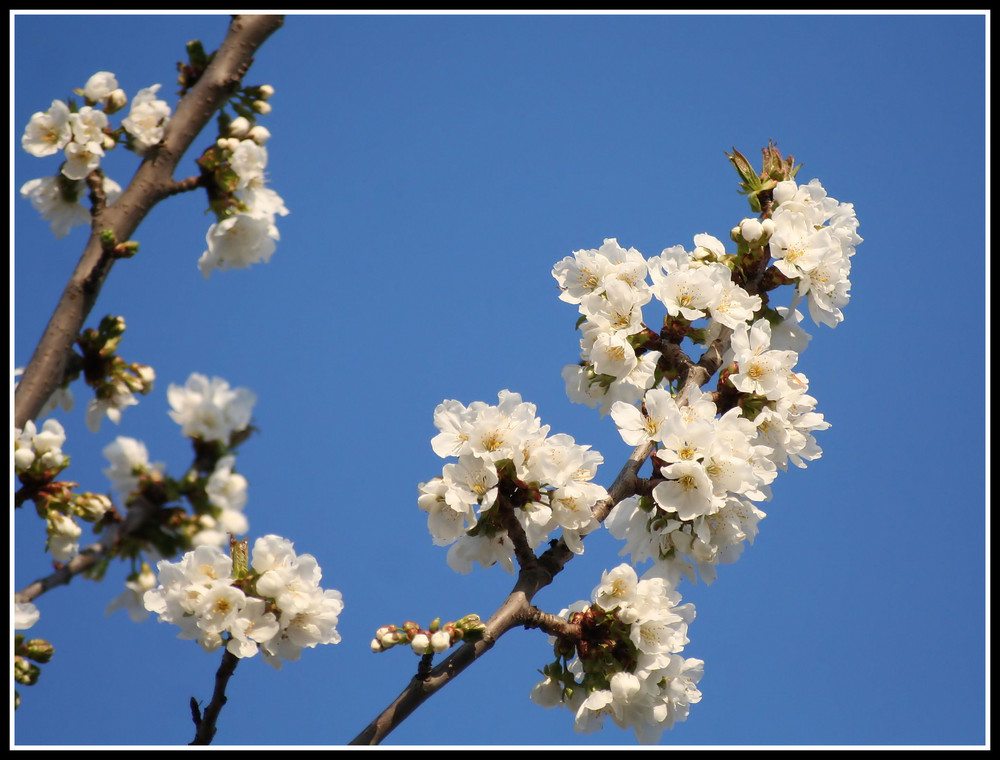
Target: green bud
[
  {"x": 25, "y": 672},
  {"x": 126, "y": 250},
  {"x": 196, "y": 55},
  {"x": 91, "y": 506},
  {"x": 39, "y": 650},
  {"x": 747, "y": 173},
  {"x": 239, "y": 551}
]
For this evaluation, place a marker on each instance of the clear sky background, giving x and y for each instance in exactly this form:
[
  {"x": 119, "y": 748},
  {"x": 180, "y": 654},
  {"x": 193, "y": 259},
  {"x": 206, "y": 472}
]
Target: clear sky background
[{"x": 436, "y": 167}]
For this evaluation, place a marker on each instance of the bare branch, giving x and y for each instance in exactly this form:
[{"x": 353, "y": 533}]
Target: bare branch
[
  {"x": 205, "y": 723},
  {"x": 153, "y": 182}
]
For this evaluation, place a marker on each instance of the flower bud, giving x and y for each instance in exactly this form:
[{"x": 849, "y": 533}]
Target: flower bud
[
  {"x": 38, "y": 650},
  {"x": 238, "y": 551},
  {"x": 421, "y": 644},
  {"x": 259, "y": 134},
  {"x": 117, "y": 100},
  {"x": 99, "y": 86},
  {"x": 239, "y": 127},
  {"x": 751, "y": 230},
  {"x": 146, "y": 375},
  {"x": 261, "y": 107},
  {"x": 389, "y": 639},
  {"x": 376, "y": 646},
  {"x": 265, "y": 91},
  {"x": 767, "y": 227},
  {"x": 24, "y": 672},
  {"x": 91, "y": 506},
  {"x": 108, "y": 142},
  {"x": 62, "y": 525},
  {"x": 440, "y": 640},
  {"x": 23, "y": 459}
]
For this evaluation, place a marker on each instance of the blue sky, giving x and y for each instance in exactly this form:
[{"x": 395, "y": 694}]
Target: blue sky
[{"x": 436, "y": 167}]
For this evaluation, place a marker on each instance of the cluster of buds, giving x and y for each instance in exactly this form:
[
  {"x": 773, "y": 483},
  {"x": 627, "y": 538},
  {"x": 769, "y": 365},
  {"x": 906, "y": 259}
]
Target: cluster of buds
[
  {"x": 758, "y": 187},
  {"x": 113, "y": 379},
  {"x": 38, "y": 459},
  {"x": 26, "y": 654},
  {"x": 434, "y": 639},
  {"x": 233, "y": 173},
  {"x": 60, "y": 507}
]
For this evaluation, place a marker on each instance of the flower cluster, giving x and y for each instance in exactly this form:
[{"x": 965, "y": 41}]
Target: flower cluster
[
  {"x": 813, "y": 242},
  {"x": 212, "y": 413},
  {"x": 610, "y": 288},
  {"x": 38, "y": 459},
  {"x": 618, "y": 657},
  {"x": 209, "y": 409},
  {"x": 245, "y": 206},
  {"x": 217, "y": 418},
  {"x": 275, "y": 605},
  {"x": 39, "y": 450},
  {"x": 83, "y": 134},
  {"x": 114, "y": 380},
  {"x": 59, "y": 200},
  {"x": 811, "y": 237},
  {"x": 507, "y": 463},
  {"x": 715, "y": 454}
]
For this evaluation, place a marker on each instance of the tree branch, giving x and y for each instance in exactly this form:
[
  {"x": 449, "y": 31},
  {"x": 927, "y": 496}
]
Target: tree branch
[
  {"x": 517, "y": 611},
  {"x": 139, "y": 512},
  {"x": 205, "y": 723},
  {"x": 152, "y": 182}
]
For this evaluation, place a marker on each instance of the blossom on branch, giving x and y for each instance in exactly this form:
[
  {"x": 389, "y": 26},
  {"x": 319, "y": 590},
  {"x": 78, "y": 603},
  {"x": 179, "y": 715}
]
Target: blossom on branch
[
  {"x": 48, "y": 132},
  {"x": 507, "y": 463},
  {"x": 209, "y": 409},
  {"x": 147, "y": 119},
  {"x": 623, "y": 661},
  {"x": 237, "y": 242},
  {"x": 276, "y": 606}
]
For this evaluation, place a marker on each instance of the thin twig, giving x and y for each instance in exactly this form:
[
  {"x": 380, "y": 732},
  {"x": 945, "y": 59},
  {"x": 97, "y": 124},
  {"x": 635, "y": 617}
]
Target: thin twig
[{"x": 205, "y": 723}]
